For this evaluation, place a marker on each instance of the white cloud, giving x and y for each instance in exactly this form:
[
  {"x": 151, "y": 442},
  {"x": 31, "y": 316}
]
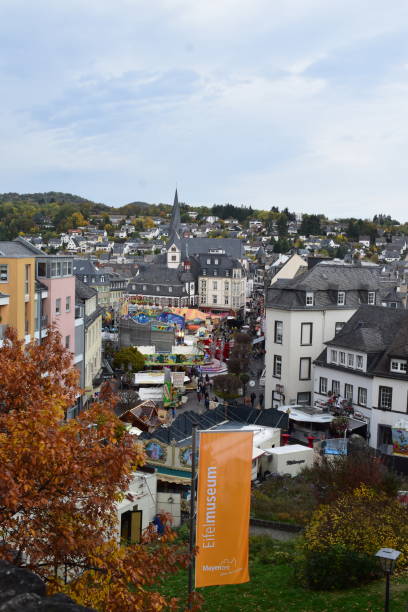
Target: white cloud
[{"x": 299, "y": 102}]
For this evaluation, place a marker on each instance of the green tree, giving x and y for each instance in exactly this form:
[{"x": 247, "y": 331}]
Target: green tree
[{"x": 129, "y": 358}]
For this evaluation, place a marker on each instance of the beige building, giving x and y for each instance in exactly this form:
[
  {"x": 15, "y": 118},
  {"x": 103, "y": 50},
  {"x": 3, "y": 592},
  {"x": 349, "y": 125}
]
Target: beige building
[{"x": 221, "y": 282}]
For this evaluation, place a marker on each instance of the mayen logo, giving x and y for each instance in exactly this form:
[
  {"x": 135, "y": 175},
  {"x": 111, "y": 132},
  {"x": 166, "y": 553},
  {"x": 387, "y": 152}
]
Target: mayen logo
[{"x": 227, "y": 565}]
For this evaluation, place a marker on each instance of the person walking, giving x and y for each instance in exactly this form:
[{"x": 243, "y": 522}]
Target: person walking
[
  {"x": 253, "y": 398},
  {"x": 261, "y": 400},
  {"x": 199, "y": 394},
  {"x": 207, "y": 401}
]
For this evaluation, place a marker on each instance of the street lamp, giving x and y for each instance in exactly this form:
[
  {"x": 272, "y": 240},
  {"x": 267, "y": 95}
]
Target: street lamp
[{"x": 388, "y": 558}]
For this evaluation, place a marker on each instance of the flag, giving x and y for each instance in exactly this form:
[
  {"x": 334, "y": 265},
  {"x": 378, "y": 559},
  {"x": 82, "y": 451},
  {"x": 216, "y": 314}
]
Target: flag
[{"x": 223, "y": 504}]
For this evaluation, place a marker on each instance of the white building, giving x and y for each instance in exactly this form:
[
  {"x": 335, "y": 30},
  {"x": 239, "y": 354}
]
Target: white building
[
  {"x": 302, "y": 314},
  {"x": 367, "y": 363}
]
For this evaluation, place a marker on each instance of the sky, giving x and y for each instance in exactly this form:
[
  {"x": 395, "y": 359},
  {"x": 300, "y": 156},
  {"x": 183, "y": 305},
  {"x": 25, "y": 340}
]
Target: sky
[{"x": 298, "y": 103}]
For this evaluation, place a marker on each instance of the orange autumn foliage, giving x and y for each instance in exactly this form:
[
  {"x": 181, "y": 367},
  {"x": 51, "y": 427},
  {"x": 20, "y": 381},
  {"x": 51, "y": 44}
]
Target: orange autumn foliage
[{"x": 60, "y": 482}]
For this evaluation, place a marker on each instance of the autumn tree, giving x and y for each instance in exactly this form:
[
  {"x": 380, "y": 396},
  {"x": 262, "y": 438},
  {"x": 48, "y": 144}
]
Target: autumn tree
[{"x": 60, "y": 483}]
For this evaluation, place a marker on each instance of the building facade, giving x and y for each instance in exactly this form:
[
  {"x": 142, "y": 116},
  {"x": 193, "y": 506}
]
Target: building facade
[
  {"x": 367, "y": 364},
  {"x": 301, "y": 315}
]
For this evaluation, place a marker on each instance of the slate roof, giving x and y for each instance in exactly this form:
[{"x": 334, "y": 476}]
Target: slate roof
[
  {"x": 325, "y": 280},
  {"x": 181, "y": 427},
  {"x": 85, "y": 267},
  {"x": 196, "y": 246},
  {"x": 379, "y": 332},
  {"x": 158, "y": 275},
  {"x": 83, "y": 291},
  {"x": 217, "y": 263}
]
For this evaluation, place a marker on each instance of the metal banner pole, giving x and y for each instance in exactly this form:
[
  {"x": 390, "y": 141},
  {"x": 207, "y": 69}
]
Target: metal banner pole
[{"x": 192, "y": 518}]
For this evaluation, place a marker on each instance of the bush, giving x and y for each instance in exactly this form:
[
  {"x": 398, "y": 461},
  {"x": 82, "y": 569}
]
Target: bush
[
  {"x": 337, "y": 568},
  {"x": 330, "y": 479},
  {"x": 263, "y": 549},
  {"x": 344, "y": 536}
]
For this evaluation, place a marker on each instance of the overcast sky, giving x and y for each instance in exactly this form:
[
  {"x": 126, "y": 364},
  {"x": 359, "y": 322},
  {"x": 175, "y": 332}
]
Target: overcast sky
[{"x": 298, "y": 103}]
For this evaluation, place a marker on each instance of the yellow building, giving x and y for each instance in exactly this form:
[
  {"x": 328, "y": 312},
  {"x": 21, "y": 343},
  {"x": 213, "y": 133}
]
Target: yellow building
[{"x": 17, "y": 291}]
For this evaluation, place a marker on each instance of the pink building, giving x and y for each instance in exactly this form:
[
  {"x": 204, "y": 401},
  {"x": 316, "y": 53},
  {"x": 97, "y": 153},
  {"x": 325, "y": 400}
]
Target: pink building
[{"x": 59, "y": 306}]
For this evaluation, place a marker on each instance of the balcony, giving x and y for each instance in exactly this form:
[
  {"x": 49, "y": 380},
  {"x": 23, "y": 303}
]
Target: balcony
[
  {"x": 43, "y": 322},
  {"x": 2, "y": 331}
]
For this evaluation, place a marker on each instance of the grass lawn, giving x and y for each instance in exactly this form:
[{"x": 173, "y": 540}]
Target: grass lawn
[{"x": 273, "y": 588}]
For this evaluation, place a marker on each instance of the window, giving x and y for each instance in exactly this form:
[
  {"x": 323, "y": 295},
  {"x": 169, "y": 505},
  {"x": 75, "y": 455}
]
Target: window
[
  {"x": 336, "y": 387},
  {"x": 278, "y": 332},
  {"x": 68, "y": 303},
  {"x": 338, "y": 326},
  {"x": 226, "y": 285},
  {"x": 371, "y": 298},
  {"x": 54, "y": 268},
  {"x": 362, "y": 396},
  {"x": 306, "y": 334},
  {"x": 333, "y": 356},
  {"x": 174, "y": 258},
  {"x": 385, "y": 398},
  {"x": 226, "y": 300},
  {"x": 215, "y": 285},
  {"x": 341, "y": 298},
  {"x": 304, "y": 368},
  {"x": 350, "y": 360},
  {"x": 27, "y": 279},
  {"x": 215, "y": 273},
  {"x": 399, "y": 365},
  {"x": 216, "y": 262},
  {"x": 3, "y": 273},
  {"x": 227, "y": 273},
  {"x": 204, "y": 272},
  {"x": 348, "y": 391},
  {"x": 309, "y": 298},
  {"x": 323, "y": 385},
  {"x": 303, "y": 397},
  {"x": 144, "y": 287},
  {"x": 158, "y": 288},
  {"x": 214, "y": 299},
  {"x": 208, "y": 262},
  {"x": 67, "y": 341},
  {"x": 173, "y": 248},
  {"x": 359, "y": 362},
  {"x": 41, "y": 268},
  {"x": 277, "y": 366},
  {"x": 58, "y": 306}
]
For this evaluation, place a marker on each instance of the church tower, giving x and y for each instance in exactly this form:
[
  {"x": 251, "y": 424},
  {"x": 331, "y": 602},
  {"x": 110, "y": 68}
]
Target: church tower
[{"x": 174, "y": 243}]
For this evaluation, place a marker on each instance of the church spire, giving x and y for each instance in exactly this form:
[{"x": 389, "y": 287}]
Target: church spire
[{"x": 175, "y": 217}]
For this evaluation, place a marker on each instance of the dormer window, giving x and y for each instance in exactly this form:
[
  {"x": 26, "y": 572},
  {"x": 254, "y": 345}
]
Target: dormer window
[
  {"x": 399, "y": 366},
  {"x": 309, "y": 298},
  {"x": 359, "y": 362},
  {"x": 208, "y": 262},
  {"x": 158, "y": 288},
  {"x": 144, "y": 287},
  {"x": 341, "y": 298},
  {"x": 333, "y": 355},
  {"x": 170, "y": 289},
  {"x": 371, "y": 298},
  {"x": 350, "y": 359},
  {"x": 173, "y": 248}
]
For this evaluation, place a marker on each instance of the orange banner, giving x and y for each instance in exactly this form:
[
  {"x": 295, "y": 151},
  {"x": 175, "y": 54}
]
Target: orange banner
[{"x": 223, "y": 504}]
